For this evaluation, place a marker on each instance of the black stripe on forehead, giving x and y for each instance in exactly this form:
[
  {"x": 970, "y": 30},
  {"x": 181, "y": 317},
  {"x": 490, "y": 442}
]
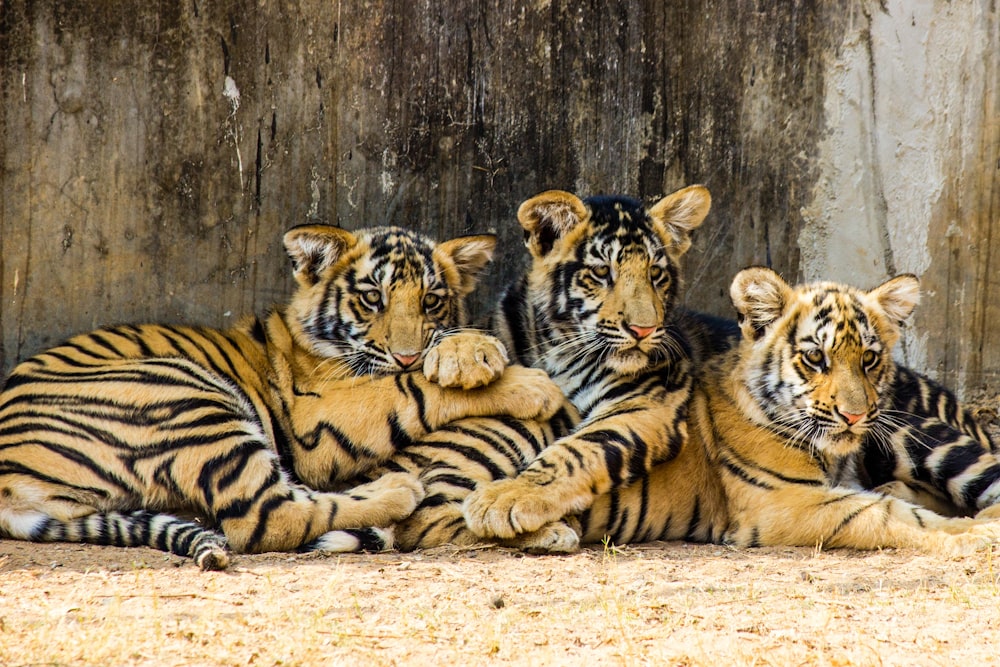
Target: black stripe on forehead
[
  {"x": 408, "y": 254},
  {"x": 844, "y": 312},
  {"x": 622, "y": 219}
]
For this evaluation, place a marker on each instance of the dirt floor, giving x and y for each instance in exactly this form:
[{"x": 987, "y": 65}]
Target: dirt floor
[
  {"x": 652, "y": 604},
  {"x": 655, "y": 604}
]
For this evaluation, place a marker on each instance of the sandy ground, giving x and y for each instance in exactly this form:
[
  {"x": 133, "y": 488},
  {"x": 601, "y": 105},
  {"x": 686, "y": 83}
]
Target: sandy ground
[{"x": 655, "y": 604}]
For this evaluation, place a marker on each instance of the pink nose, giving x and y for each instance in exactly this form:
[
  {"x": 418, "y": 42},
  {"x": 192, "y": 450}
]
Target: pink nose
[
  {"x": 405, "y": 360},
  {"x": 641, "y": 332},
  {"x": 851, "y": 418}
]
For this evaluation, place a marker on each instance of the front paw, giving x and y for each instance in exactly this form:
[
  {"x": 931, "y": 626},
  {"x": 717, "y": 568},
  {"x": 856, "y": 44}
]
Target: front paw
[
  {"x": 987, "y": 528},
  {"x": 964, "y": 544},
  {"x": 552, "y": 538},
  {"x": 990, "y": 513},
  {"x": 394, "y": 497},
  {"x": 507, "y": 508},
  {"x": 527, "y": 393},
  {"x": 466, "y": 360}
]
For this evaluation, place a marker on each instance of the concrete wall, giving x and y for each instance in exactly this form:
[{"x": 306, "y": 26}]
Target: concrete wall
[
  {"x": 151, "y": 155},
  {"x": 908, "y": 176}
]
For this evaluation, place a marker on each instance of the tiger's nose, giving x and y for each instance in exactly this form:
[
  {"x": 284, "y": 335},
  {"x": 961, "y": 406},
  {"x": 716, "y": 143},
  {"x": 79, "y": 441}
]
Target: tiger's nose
[
  {"x": 640, "y": 332},
  {"x": 850, "y": 417},
  {"x": 405, "y": 360}
]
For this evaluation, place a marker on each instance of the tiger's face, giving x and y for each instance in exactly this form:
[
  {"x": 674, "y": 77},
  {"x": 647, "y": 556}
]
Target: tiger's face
[
  {"x": 816, "y": 360},
  {"x": 378, "y": 298},
  {"x": 605, "y": 274}
]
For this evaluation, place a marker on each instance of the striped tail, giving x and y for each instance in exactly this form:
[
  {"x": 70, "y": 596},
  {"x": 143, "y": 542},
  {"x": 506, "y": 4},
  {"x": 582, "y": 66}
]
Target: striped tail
[{"x": 141, "y": 528}]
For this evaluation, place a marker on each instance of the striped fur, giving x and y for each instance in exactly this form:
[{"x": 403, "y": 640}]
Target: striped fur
[
  {"x": 788, "y": 428},
  {"x": 453, "y": 460},
  {"x": 931, "y": 450},
  {"x": 596, "y": 311},
  {"x": 251, "y": 428}
]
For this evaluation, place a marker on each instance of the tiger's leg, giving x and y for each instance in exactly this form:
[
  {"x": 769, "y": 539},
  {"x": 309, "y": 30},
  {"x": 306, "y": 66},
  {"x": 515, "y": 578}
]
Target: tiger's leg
[
  {"x": 236, "y": 483},
  {"x": 220, "y": 460},
  {"x": 382, "y": 415},
  {"x": 454, "y": 459},
  {"x": 854, "y": 519},
  {"x": 430, "y": 527},
  {"x": 961, "y": 473},
  {"x": 681, "y": 499},
  {"x": 602, "y": 455},
  {"x": 466, "y": 359},
  {"x": 171, "y": 435},
  {"x": 73, "y": 437},
  {"x": 558, "y": 537},
  {"x": 260, "y": 510}
]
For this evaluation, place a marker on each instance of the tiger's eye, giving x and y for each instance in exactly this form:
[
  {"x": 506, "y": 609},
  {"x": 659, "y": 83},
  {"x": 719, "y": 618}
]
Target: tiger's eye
[
  {"x": 814, "y": 356},
  {"x": 431, "y": 301},
  {"x": 601, "y": 270},
  {"x": 869, "y": 358},
  {"x": 655, "y": 272},
  {"x": 372, "y": 297}
]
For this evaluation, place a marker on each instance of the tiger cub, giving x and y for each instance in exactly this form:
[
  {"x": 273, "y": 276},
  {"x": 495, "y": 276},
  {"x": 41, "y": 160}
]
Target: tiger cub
[
  {"x": 596, "y": 310},
  {"x": 781, "y": 427},
  {"x": 249, "y": 428}
]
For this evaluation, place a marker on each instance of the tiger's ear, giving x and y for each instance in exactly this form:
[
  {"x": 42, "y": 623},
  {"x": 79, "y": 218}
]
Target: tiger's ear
[
  {"x": 760, "y": 296},
  {"x": 314, "y": 248},
  {"x": 547, "y": 217},
  {"x": 681, "y": 213},
  {"x": 898, "y": 296},
  {"x": 469, "y": 254}
]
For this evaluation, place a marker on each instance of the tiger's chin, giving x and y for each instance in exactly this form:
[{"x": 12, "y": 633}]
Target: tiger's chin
[
  {"x": 840, "y": 444},
  {"x": 630, "y": 361}
]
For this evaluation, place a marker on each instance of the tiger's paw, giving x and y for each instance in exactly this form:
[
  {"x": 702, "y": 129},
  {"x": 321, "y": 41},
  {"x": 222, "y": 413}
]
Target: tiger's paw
[
  {"x": 991, "y": 513},
  {"x": 988, "y": 529},
  {"x": 466, "y": 360},
  {"x": 390, "y": 498},
  {"x": 966, "y": 544},
  {"x": 526, "y": 393},
  {"x": 552, "y": 538},
  {"x": 210, "y": 551},
  {"x": 507, "y": 508}
]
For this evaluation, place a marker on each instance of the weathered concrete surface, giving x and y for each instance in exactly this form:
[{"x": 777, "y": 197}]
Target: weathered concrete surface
[
  {"x": 151, "y": 155},
  {"x": 908, "y": 179}
]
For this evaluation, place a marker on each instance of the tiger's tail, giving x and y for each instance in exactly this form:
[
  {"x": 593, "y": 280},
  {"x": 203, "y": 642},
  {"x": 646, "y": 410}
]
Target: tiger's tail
[{"x": 207, "y": 548}]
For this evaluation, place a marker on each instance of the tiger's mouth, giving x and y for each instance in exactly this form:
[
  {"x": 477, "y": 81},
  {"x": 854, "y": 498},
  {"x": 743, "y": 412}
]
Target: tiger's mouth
[
  {"x": 816, "y": 433},
  {"x": 842, "y": 430}
]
